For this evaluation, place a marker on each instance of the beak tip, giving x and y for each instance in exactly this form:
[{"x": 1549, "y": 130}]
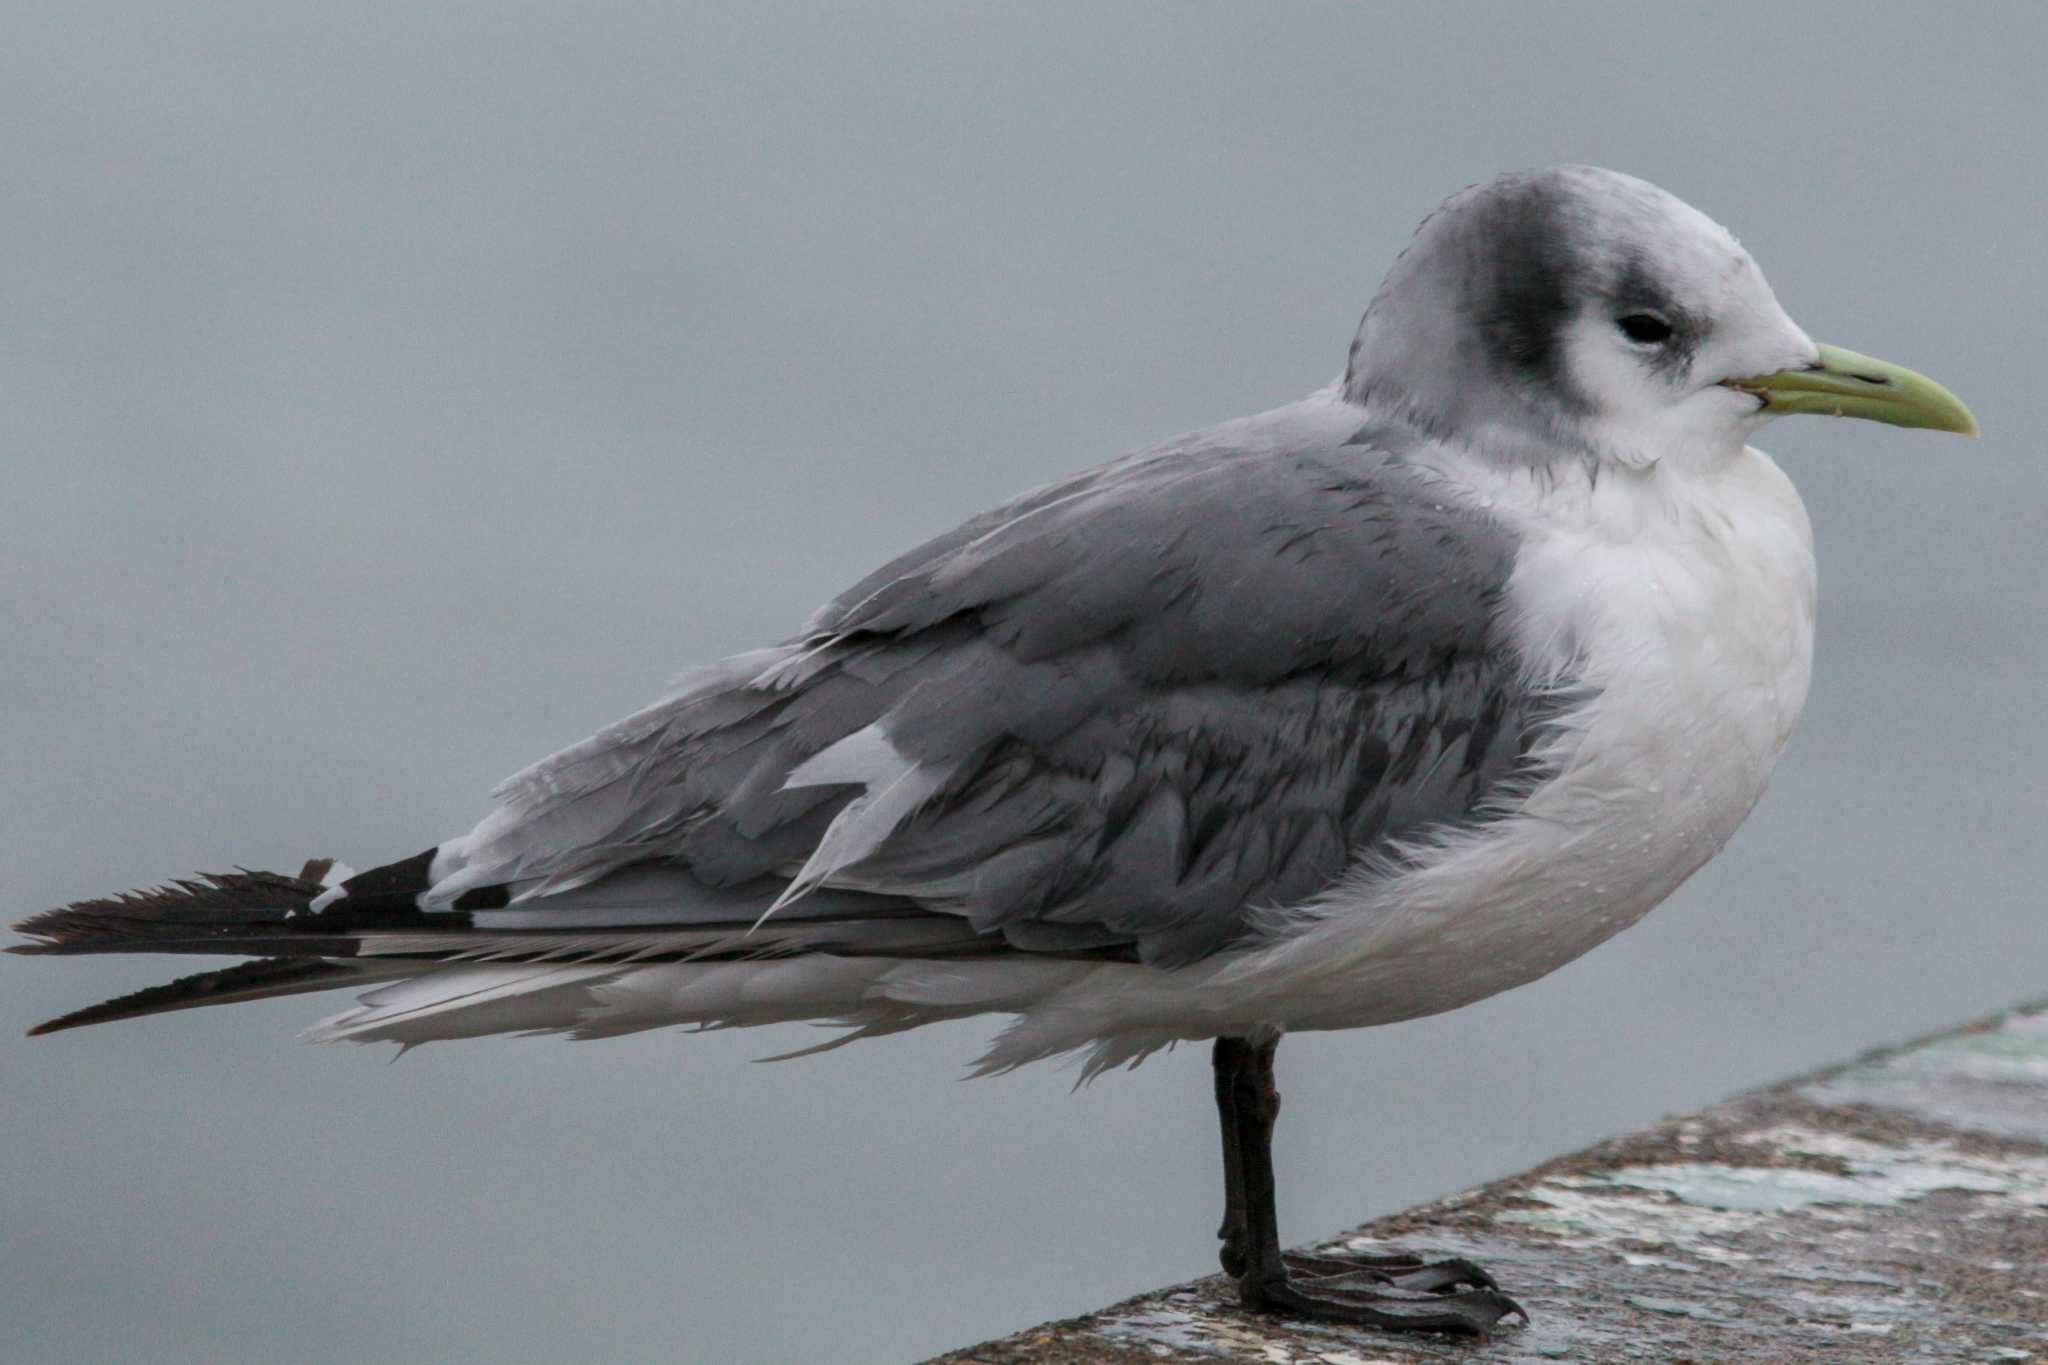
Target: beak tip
[{"x": 1960, "y": 421}]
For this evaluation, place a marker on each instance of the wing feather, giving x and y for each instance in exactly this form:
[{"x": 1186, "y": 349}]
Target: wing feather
[{"x": 1131, "y": 709}]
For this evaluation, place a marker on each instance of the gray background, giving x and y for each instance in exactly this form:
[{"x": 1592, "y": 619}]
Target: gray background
[{"x": 388, "y": 398}]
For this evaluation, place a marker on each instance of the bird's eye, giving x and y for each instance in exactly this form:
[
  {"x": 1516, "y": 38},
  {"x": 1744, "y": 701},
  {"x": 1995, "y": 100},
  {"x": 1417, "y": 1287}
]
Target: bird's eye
[{"x": 1647, "y": 328}]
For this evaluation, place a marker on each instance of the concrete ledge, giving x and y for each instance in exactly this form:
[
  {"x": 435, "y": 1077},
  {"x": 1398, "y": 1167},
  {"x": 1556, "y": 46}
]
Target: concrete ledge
[{"x": 1895, "y": 1208}]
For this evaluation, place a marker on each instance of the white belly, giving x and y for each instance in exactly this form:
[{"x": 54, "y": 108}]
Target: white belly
[
  {"x": 1686, "y": 600},
  {"x": 1688, "y": 603}
]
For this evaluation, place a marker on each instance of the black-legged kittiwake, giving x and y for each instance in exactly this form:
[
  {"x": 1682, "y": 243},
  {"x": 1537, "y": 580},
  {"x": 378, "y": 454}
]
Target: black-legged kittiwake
[{"x": 1350, "y": 712}]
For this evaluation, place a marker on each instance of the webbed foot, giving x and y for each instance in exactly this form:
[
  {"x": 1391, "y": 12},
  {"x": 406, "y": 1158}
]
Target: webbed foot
[{"x": 1387, "y": 1303}]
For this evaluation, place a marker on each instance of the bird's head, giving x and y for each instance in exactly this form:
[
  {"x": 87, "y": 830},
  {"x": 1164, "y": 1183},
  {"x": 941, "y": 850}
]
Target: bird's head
[{"x": 1587, "y": 310}]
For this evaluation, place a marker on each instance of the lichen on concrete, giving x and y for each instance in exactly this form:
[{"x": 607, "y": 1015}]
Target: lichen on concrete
[{"x": 1895, "y": 1208}]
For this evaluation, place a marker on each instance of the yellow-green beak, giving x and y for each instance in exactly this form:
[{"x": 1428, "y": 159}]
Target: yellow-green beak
[{"x": 1845, "y": 384}]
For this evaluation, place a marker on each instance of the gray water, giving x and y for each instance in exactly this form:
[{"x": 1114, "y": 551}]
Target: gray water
[{"x": 390, "y": 399}]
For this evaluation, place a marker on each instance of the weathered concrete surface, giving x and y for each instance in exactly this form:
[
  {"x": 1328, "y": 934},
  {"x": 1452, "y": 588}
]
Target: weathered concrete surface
[{"x": 1893, "y": 1209}]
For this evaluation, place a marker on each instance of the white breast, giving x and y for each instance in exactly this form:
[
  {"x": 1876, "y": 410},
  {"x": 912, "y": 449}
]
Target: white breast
[{"x": 1685, "y": 598}]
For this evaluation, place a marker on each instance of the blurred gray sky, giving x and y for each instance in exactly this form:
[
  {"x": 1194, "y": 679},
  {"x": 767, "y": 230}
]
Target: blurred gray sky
[{"x": 391, "y": 396}]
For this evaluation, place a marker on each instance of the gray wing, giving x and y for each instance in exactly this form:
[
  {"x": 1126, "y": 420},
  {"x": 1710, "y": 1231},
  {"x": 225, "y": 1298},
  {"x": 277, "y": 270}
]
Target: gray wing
[{"x": 1124, "y": 712}]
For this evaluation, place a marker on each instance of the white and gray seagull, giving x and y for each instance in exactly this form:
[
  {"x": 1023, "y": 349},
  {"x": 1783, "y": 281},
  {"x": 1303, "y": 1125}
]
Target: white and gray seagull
[{"x": 1350, "y": 712}]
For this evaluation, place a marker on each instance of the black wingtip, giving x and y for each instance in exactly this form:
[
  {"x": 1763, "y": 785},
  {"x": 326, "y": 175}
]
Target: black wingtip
[
  {"x": 259, "y": 980},
  {"x": 182, "y": 909}
]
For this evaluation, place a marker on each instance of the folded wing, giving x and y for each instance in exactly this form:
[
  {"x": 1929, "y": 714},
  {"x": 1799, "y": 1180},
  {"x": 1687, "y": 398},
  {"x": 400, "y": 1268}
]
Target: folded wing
[{"x": 1125, "y": 712}]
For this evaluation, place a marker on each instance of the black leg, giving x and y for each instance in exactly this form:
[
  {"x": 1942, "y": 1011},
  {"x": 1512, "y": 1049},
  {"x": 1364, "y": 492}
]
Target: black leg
[
  {"x": 1398, "y": 1293},
  {"x": 1229, "y": 1058}
]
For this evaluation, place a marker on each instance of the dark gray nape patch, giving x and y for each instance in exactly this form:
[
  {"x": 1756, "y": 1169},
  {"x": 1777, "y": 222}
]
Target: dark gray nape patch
[{"x": 1523, "y": 281}]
